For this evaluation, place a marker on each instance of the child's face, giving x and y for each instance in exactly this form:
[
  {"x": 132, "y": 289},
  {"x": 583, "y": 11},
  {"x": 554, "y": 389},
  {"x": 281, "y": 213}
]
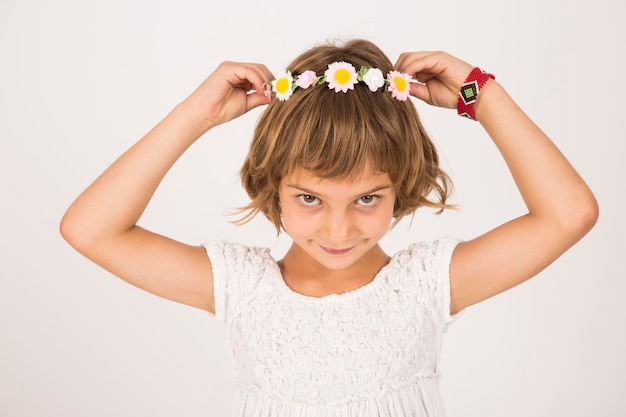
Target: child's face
[{"x": 336, "y": 221}]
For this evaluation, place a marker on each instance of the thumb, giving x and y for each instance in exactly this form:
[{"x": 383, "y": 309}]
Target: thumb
[
  {"x": 257, "y": 98},
  {"x": 420, "y": 91}
]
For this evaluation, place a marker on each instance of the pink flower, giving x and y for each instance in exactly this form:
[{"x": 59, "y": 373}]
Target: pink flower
[
  {"x": 399, "y": 85},
  {"x": 306, "y": 79},
  {"x": 268, "y": 91}
]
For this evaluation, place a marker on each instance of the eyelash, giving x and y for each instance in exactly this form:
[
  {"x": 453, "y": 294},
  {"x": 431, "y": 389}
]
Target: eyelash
[
  {"x": 371, "y": 203},
  {"x": 302, "y": 197}
]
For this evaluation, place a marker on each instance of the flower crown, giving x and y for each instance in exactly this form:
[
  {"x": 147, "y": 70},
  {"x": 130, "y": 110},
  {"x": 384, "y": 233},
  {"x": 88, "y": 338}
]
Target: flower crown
[{"x": 340, "y": 76}]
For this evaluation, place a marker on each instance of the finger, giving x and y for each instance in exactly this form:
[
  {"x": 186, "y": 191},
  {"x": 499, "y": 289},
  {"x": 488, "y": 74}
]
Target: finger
[
  {"x": 421, "y": 92},
  {"x": 450, "y": 70},
  {"x": 257, "y": 93},
  {"x": 406, "y": 57},
  {"x": 259, "y": 75},
  {"x": 248, "y": 76},
  {"x": 255, "y": 99},
  {"x": 422, "y": 65}
]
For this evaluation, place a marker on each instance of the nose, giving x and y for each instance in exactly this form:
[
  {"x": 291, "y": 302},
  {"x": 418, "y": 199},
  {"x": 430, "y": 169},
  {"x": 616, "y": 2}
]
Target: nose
[{"x": 338, "y": 225}]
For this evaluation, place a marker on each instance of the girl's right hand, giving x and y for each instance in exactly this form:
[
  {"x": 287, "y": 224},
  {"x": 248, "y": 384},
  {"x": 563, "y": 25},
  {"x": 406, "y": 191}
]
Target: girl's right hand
[
  {"x": 102, "y": 222},
  {"x": 231, "y": 90}
]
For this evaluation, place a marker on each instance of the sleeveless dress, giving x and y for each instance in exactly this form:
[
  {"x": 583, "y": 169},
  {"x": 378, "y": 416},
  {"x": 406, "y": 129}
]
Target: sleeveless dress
[{"x": 370, "y": 352}]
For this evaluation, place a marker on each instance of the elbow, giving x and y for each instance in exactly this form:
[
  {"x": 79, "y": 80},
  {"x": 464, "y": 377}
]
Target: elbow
[
  {"x": 68, "y": 230},
  {"x": 73, "y": 232},
  {"x": 582, "y": 218},
  {"x": 591, "y": 214}
]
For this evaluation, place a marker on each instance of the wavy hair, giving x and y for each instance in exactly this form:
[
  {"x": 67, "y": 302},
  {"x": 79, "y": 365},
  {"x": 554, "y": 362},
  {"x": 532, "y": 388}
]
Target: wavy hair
[{"x": 334, "y": 135}]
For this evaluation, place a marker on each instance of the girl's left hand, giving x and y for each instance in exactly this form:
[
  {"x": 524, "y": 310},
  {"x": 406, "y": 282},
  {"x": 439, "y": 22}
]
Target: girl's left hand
[{"x": 440, "y": 74}]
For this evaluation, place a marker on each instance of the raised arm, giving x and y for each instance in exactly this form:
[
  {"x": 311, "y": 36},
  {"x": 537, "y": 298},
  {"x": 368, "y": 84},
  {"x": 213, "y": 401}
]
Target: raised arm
[
  {"x": 102, "y": 222},
  {"x": 561, "y": 207}
]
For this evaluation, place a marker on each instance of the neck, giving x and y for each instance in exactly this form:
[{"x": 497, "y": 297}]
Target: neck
[{"x": 305, "y": 275}]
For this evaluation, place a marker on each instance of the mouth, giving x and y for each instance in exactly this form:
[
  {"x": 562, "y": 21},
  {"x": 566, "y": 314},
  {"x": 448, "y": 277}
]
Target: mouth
[{"x": 333, "y": 251}]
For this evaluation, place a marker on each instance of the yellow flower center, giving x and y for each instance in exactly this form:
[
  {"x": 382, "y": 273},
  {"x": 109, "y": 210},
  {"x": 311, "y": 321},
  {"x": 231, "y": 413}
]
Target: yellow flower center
[
  {"x": 400, "y": 83},
  {"x": 342, "y": 76},
  {"x": 282, "y": 85}
]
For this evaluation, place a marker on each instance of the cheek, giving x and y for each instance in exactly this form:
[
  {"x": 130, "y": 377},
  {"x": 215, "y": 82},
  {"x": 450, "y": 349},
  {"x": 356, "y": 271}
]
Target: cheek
[
  {"x": 380, "y": 225},
  {"x": 295, "y": 224},
  {"x": 382, "y": 221}
]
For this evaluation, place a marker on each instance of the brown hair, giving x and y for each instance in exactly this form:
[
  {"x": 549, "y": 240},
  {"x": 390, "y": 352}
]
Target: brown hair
[{"x": 335, "y": 135}]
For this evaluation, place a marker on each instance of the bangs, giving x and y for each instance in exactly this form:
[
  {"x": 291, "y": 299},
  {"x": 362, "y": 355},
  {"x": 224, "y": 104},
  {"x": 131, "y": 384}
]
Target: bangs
[{"x": 335, "y": 135}]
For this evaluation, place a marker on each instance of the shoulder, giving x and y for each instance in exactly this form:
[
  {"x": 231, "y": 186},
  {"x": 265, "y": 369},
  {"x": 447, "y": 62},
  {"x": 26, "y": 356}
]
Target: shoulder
[
  {"x": 422, "y": 270},
  {"x": 237, "y": 270},
  {"x": 223, "y": 250},
  {"x": 427, "y": 255},
  {"x": 424, "y": 267},
  {"x": 234, "y": 259}
]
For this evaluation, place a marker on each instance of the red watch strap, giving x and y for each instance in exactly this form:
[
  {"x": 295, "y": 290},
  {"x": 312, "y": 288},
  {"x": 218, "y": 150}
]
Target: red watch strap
[{"x": 468, "y": 94}]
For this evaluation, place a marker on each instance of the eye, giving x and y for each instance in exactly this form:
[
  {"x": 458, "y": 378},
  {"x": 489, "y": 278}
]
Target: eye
[
  {"x": 308, "y": 200},
  {"x": 367, "y": 200}
]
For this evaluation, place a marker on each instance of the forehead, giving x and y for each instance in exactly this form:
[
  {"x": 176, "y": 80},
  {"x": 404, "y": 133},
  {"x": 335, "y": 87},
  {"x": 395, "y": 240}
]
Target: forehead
[{"x": 367, "y": 179}]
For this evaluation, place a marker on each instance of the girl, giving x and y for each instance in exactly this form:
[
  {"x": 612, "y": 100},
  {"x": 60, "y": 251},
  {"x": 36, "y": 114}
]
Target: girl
[{"x": 337, "y": 327}]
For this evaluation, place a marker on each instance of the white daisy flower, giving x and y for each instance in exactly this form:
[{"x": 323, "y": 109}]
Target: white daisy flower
[
  {"x": 283, "y": 85},
  {"x": 399, "y": 85},
  {"x": 341, "y": 76}
]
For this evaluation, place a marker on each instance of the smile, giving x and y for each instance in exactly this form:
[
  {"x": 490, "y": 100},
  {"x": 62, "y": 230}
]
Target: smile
[{"x": 332, "y": 251}]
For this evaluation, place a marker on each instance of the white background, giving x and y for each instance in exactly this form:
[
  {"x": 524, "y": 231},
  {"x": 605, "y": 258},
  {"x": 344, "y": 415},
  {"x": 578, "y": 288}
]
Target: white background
[{"x": 80, "y": 81}]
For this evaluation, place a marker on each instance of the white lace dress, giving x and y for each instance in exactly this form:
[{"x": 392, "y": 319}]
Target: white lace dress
[{"x": 371, "y": 352}]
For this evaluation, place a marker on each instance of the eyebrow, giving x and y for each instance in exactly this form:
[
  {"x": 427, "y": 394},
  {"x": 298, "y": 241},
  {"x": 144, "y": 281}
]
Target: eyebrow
[{"x": 311, "y": 192}]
